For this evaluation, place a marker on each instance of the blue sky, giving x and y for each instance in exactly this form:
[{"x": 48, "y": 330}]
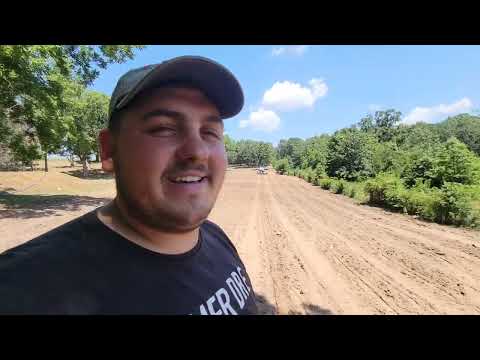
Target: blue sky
[{"x": 302, "y": 91}]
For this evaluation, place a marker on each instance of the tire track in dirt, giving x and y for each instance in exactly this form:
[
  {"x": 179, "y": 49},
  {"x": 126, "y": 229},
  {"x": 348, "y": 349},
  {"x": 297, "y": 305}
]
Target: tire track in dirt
[
  {"x": 310, "y": 251},
  {"x": 433, "y": 256},
  {"x": 354, "y": 250}
]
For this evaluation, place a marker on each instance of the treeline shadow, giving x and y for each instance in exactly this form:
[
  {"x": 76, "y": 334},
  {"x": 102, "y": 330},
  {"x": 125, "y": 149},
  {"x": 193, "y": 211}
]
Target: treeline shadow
[
  {"x": 33, "y": 206},
  {"x": 93, "y": 174},
  {"x": 265, "y": 307}
]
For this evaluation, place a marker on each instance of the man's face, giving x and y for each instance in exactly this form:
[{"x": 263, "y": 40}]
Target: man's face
[{"x": 169, "y": 158}]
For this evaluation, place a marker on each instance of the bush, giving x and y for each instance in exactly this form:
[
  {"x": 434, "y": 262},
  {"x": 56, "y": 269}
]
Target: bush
[
  {"x": 282, "y": 166},
  {"x": 309, "y": 175},
  {"x": 454, "y": 203},
  {"x": 360, "y": 193},
  {"x": 351, "y": 192},
  {"x": 350, "y": 154},
  {"x": 458, "y": 205},
  {"x": 418, "y": 167},
  {"x": 385, "y": 189},
  {"x": 334, "y": 186},
  {"x": 455, "y": 163},
  {"x": 325, "y": 183},
  {"x": 320, "y": 171},
  {"x": 349, "y": 189},
  {"x": 338, "y": 186}
]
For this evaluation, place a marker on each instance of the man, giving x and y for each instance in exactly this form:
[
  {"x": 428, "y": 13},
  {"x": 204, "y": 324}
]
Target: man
[{"x": 151, "y": 250}]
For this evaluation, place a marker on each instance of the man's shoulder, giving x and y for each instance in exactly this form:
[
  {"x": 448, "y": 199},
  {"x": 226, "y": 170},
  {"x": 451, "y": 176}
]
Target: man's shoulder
[{"x": 217, "y": 232}]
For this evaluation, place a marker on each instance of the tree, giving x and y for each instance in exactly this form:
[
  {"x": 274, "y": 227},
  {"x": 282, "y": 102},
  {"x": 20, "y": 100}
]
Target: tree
[
  {"x": 314, "y": 153},
  {"x": 418, "y": 135},
  {"x": 291, "y": 149},
  {"x": 231, "y": 149},
  {"x": 281, "y": 149},
  {"x": 366, "y": 124},
  {"x": 383, "y": 124},
  {"x": 32, "y": 79},
  {"x": 245, "y": 152},
  {"x": 254, "y": 153},
  {"x": 465, "y": 128},
  {"x": 350, "y": 154},
  {"x": 24, "y": 149},
  {"x": 264, "y": 153},
  {"x": 418, "y": 167},
  {"x": 388, "y": 157},
  {"x": 455, "y": 163},
  {"x": 88, "y": 115}
]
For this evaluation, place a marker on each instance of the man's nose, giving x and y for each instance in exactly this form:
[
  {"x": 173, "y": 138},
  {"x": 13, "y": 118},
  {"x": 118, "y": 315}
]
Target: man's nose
[{"x": 193, "y": 148}]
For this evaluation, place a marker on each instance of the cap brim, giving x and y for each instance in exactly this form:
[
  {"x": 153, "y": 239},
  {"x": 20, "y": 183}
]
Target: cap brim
[{"x": 216, "y": 81}]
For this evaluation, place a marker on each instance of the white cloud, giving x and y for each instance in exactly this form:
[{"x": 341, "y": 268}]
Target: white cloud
[
  {"x": 319, "y": 88},
  {"x": 438, "y": 113},
  {"x": 375, "y": 107},
  {"x": 263, "y": 120},
  {"x": 286, "y": 95},
  {"x": 290, "y": 50}
]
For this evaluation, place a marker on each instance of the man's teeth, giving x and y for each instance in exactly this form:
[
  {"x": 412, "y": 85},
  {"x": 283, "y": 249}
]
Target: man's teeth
[{"x": 188, "y": 179}]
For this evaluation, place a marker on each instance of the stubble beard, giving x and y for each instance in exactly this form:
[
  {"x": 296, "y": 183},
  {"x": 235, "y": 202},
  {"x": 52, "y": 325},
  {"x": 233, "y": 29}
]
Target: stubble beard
[{"x": 165, "y": 217}]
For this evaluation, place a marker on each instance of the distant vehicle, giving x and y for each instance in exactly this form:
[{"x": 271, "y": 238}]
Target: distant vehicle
[{"x": 262, "y": 170}]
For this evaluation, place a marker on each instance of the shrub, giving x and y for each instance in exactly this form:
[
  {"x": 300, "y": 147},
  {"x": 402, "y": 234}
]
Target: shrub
[
  {"x": 384, "y": 189},
  {"x": 453, "y": 203},
  {"x": 349, "y": 189},
  {"x": 325, "y": 183},
  {"x": 458, "y": 204},
  {"x": 282, "y": 166},
  {"x": 334, "y": 186},
  {"x": 301, "y": 174},
  {"x": 309, "y": 175},
  {"x": 320, "y": 171},
  {"x": 339, "y": 186},
  {"x": 455, "y": 163}
]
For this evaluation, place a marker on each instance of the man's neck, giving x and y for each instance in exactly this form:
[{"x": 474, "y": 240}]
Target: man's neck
[{"x": 114, "y": 216}]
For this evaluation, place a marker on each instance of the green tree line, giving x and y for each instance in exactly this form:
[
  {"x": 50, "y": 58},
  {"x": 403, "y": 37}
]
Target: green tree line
[
  {"x": 428, "y": 170},
  {"x": 249, "y": 152}
]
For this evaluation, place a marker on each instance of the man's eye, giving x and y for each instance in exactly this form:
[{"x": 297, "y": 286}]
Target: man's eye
[
  {"x": 212, "y": 133},
  {"x": 162, "y": 131}
]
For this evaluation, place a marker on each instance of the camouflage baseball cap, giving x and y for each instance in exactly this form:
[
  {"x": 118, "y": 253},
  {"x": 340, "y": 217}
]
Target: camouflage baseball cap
[{"x": 215, "y": 80}]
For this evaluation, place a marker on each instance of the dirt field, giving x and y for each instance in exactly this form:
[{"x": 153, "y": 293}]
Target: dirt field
[{"x": 307, "y": 250}]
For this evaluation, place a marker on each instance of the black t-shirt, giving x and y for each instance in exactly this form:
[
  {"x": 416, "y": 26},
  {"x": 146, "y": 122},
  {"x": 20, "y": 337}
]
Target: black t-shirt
[{"x": 83, "y": 267}]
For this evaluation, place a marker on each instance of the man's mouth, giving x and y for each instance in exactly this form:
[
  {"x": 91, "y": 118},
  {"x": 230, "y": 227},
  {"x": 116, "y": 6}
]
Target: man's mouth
[{"x": 188, "y": 179}]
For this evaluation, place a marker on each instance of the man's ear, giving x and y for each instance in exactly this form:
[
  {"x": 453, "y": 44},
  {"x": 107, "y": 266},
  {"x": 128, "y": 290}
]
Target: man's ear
[{"x": 107, "y": 147}]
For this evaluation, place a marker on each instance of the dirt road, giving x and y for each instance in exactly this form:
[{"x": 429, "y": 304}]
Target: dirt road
[{"x": 309, "y": 251}]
